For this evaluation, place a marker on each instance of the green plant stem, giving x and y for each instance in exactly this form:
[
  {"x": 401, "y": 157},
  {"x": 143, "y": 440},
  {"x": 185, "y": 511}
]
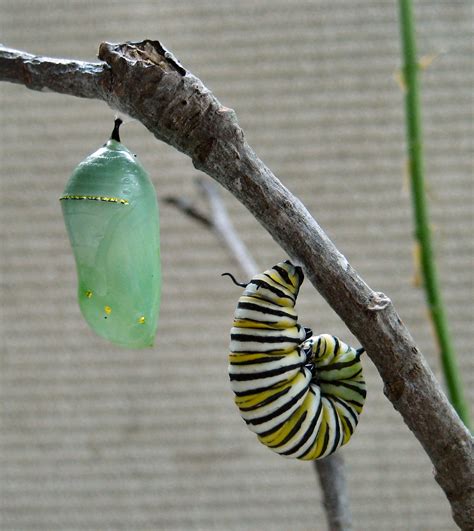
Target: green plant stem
[{"x": 421, "y": 215}]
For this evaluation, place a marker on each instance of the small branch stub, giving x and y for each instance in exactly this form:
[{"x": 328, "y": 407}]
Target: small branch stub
[{"x": 378, "y": 301}]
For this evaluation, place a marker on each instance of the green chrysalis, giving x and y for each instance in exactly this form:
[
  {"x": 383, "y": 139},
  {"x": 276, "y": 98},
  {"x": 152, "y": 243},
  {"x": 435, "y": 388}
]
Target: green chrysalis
[{"x": 111, "y": 215}]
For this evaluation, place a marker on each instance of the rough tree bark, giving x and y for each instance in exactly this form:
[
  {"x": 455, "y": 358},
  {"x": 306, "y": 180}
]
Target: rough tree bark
[{"x": 145, "y": 81}]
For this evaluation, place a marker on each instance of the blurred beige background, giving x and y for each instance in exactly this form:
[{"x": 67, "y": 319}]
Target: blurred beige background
[{"x": 99, "y": 438}]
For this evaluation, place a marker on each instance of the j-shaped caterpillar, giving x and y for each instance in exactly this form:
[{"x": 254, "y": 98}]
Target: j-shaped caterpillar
[{"x": 301, "y": 394}]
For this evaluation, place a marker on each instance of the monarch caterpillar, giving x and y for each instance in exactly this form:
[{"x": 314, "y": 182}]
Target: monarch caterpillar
[
  {"x": 301, "y": 394},
  {"x": 111, "y": 215}
]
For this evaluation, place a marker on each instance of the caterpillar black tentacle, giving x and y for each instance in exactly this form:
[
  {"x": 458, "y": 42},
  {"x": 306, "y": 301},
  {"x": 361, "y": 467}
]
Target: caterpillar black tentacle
[
  {"x": 240, "y": 284},
  {"x": 301, "y": 394}
]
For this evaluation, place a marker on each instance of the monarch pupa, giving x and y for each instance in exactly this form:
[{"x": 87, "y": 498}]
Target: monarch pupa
[
  {"x": 111, "y": 215},
  {"x": 300, "y": 394}
]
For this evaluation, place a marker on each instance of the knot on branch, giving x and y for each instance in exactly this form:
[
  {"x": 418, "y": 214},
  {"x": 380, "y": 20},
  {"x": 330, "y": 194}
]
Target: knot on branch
[
  {"x": 378, "y": 301},
  {"x": 148, "y": 52},
  {"x": 149, "y": 83}
]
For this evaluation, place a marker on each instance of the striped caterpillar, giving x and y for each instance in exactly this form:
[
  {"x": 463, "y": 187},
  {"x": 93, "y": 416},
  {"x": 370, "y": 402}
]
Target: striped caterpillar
[{"x": 301, "y": 394}]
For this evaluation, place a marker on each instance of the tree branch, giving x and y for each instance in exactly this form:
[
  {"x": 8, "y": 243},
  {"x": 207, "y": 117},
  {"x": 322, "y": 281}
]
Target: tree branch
[
  {"x": 332, "y": 478},
  {"x": 76, "y": 78},
  {"x": 225, "y": 230},
  {"x": 145, "y": 81}
]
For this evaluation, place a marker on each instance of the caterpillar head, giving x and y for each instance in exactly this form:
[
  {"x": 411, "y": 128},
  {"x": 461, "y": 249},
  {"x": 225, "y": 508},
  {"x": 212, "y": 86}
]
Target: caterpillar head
[{"x": 325, "y": 348}]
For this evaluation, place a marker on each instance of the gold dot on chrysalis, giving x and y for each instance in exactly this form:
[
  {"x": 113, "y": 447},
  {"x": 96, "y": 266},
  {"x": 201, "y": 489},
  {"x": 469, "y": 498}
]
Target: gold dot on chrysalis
[
  {"x": 141, "y": 320},
  {"x": 88, "y": 293},
  {"x": 107, "y": 310}
]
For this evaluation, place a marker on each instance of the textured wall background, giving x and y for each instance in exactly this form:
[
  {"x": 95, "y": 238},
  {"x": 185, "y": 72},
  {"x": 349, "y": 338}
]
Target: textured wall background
[{"x": 95, "y": 437}]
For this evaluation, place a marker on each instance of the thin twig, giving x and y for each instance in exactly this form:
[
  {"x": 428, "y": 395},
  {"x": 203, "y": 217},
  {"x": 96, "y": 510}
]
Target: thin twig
[
  {"x": 224, "y": 228},
  {"x": 145, "y": 81},
  {"x": 421, "y": 214},
  {"x": 330, "y": 470},
  {"x": 187, "y": 207},
  {"x": 331, "y": 473}
]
